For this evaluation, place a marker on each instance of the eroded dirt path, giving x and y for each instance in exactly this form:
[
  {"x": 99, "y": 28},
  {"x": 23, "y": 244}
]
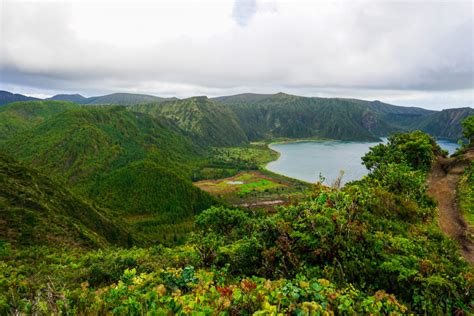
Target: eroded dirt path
[{"x": 442, "y": 185}]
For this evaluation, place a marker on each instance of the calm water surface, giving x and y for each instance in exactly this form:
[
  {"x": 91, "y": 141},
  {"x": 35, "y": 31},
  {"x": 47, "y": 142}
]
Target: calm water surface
[{"x": 306, "y": 160}]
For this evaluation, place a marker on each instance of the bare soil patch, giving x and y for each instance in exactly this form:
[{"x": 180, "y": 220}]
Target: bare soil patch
[{"x": 442, "y": 184}]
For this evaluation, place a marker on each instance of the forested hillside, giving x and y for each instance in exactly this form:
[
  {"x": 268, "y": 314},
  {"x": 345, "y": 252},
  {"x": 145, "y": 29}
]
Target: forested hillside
[
  {"x": 444, "y": 124},
  {"x": 34, "y": 210},
  {"x": 100, "y": 151},
  {"x": 283, "y": 115},
  {"x": 21, "y": 116},
  {"x": 208, "y": 123}
]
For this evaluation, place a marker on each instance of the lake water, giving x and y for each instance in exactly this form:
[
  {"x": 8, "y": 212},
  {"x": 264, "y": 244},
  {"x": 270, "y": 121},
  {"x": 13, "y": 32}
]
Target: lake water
[{"x": 306, "y": 160}]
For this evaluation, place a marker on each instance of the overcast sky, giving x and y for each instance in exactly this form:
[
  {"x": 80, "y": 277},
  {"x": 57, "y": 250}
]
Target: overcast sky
[{"x": 403, "y": 52}]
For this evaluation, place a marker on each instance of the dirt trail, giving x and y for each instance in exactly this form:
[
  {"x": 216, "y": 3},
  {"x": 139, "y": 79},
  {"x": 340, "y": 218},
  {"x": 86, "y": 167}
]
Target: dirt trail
[{"x": 442, "y": 186}]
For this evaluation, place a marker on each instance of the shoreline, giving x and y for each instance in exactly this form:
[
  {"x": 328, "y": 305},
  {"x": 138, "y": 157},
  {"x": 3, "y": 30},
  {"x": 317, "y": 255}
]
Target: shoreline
[{"x": 265, "y": 169}]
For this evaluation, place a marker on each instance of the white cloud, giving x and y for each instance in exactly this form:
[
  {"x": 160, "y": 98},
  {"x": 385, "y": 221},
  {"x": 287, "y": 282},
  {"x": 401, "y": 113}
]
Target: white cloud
[{"x": 185, "y": 48}]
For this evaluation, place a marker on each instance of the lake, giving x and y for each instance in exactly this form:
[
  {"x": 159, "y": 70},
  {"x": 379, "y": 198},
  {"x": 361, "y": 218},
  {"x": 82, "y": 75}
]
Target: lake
[{"x": 306, "y": 160}]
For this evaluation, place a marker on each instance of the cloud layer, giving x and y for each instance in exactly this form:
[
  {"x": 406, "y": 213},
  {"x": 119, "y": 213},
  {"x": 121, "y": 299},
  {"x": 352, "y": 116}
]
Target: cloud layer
[{"x": 182, "y": 48}]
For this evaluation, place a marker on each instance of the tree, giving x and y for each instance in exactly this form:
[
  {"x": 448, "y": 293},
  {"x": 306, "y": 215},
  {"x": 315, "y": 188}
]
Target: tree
[{"x": 468, "y": 129}]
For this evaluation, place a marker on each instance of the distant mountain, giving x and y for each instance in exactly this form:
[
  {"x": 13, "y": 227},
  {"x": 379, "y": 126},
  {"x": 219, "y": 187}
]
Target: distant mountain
[
  {"x": 77, "y": 98},
  {"x": 8, "y": 97},
  {"x": 444, "y": 124},
  {"x": 234, "y": 120},
  {"x": 123, "y": 99},
  {"x": 35, "y": 210},
  {"x": 115, "y": 98},
  {"x": 267, "y": 116},
  {"x": 207, "y": 122}
]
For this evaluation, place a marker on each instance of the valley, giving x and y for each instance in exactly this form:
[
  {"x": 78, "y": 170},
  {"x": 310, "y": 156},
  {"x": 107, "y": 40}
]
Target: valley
[{"x": 174, "y": 206}]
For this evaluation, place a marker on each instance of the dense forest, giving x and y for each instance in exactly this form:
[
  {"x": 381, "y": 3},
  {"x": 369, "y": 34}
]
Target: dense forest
[{"x": 101, "y": 214}]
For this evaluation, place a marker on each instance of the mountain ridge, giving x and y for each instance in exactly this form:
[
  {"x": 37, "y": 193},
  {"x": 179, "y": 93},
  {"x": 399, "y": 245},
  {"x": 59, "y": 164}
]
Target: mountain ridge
[
  {"x": 8, "y": 97},
  {"x": 267, "y": 116}
]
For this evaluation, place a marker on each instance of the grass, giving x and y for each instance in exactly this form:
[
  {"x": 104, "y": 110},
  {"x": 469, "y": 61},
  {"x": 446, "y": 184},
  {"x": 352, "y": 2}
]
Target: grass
[
  {"x": 466, "y": 195},
  {"x": 250, "y": 180},
  {"x": 255, "y": 187}
]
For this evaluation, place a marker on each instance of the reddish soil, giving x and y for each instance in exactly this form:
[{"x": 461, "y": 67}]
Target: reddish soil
[{"x": 442, "y": 184}]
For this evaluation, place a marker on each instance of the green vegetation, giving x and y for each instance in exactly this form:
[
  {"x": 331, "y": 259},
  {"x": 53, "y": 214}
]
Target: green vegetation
[
  {"x": 372, "y": 247},
  {"x": 130, "y": 162},
  {"x": 112, "y": 177},
  {"x": 379, "y": 233},
  {"x": 445, "y": 124},
  {"x": 254, "y": 188},
  {"x": 152, "y": 199},
  {"x": 415, "y": 149},
  {"x": 21, "y": 116},
  {"x": 465, "y": 191},
  {"x": 468, "y": 129},
  {"x": 274, "y": 116},
  {"x": 466, "y": 194},
  {"x": 37, "y": 211},
  {"x": 133, "y": 282},
  {"x": 226, "y": 162},
  {"x": 76, "y": 144},
  {"x": 207, "y": 123},
  {"x": 281, "y": 115},
  {"x": 244, "y": 158}
]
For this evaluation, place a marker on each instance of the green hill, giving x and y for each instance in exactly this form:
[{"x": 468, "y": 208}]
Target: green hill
[
  {"x": 34, "y": 210},
  {"x": 152, "y": 199},
  {"x": 94, "y": 149},
  {"x": 84, "y": 141},
  {"x": 20, "y": 116},
  {"x": 444, "y": 124},
  {"x": 207, "y": 122},
  {"x": 265, "y": 116},
  {"x": 283, "y": 115}
]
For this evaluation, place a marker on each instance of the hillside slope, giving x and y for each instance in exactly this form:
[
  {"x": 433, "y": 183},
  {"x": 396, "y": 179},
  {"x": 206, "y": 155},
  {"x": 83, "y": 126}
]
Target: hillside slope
[
  {"x": 207, "y": 122},
  {"x": 81, "y": 142},
  {"x": 444, "y": 124},
  {"x": 20, "y": 116},
  {"x": 34, "y": 210},
  {"x": 93, "y": 151},
  {"x": 282, "y": 115}
]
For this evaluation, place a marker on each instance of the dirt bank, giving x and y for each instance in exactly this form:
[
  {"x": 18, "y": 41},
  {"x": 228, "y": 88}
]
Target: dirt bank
[{"x": 442, "y": 184}]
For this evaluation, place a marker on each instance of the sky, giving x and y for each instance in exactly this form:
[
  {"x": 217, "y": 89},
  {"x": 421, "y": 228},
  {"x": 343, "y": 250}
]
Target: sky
[{"x": 411, "y": 52}]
